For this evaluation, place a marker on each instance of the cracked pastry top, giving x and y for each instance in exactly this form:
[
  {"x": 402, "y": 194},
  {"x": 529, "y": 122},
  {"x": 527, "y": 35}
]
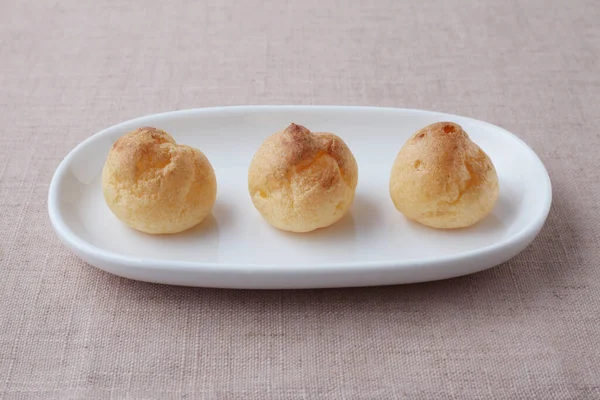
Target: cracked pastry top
[
  {"x": 155, "y": 185},
  {"x": 300, "y": 180}
]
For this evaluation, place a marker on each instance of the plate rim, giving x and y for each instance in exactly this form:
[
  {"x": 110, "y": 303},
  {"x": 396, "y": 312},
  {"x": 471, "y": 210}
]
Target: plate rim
[{"x": 80, "y": 246}]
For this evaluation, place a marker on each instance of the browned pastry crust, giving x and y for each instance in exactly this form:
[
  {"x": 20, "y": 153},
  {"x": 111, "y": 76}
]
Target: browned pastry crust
[
  {"x": 301, "y": 181},
  {"x": 442, "y": 179},
  {"x": 155, "y": 185}
]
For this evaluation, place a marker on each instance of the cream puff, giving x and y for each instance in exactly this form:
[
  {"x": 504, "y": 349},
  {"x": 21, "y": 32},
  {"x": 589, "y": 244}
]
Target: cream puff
[
  {"x": 300, "y": 180},
  {"x": 155, "y": 185},
  {"x": 442, "y": 179}
]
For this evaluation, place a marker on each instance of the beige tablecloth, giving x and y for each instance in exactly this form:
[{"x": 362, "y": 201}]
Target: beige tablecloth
[{"x": 527, "y": 329}]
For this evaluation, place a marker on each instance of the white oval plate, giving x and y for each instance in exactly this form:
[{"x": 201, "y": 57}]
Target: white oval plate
[{"x": 236, "y": 248}]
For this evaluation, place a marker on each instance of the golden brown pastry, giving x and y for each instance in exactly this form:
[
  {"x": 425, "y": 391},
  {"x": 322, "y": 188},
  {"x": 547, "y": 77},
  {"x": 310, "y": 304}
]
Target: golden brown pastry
[
  {"x": 155, "y": 185},
  {"x": 300, "y": 181},
  {"x": 442, "y": 179}
]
